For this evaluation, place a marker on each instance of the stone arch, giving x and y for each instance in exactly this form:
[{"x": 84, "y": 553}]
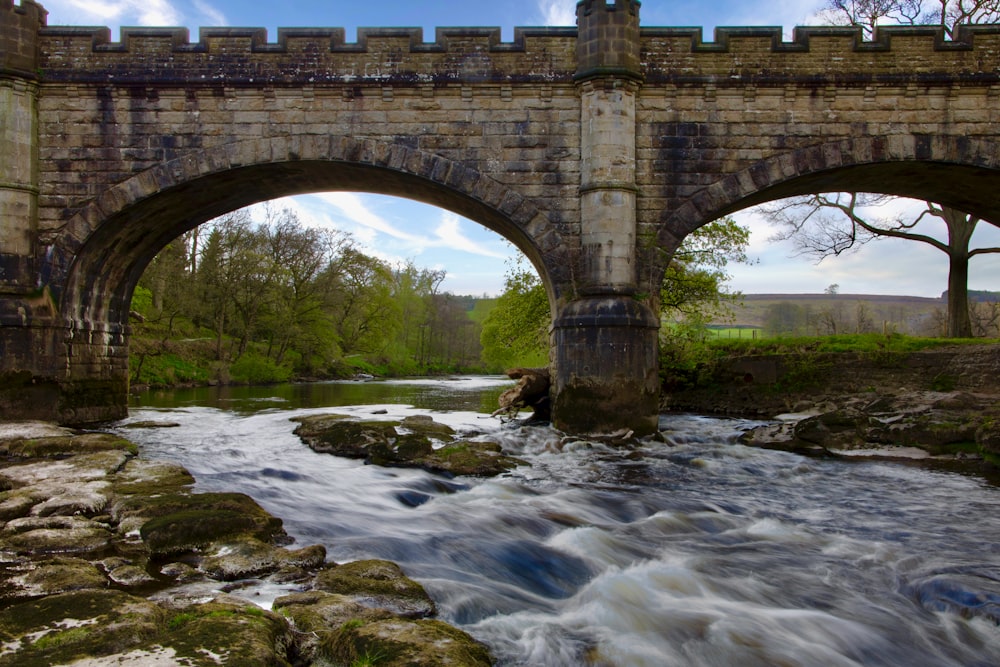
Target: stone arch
[
  {"x": 94, "y": 265},
  {"x": 962, "y": 172}
]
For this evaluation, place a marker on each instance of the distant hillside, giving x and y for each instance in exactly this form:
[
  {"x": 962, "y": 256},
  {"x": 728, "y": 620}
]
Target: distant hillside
[{"x": 812, "y": 314}]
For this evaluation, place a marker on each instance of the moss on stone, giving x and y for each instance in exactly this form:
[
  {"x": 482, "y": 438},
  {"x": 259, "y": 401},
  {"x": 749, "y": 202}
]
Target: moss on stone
[
  {"x": 149, "y": 478},
  {"x": 66, "y": 445},
  {"x": 425, "y": 425},
  {"x": 377, "y": 583},
  {"x": 404, "y": 643},
  {"x": 190, "y": 529},
  {"x": 61, "y": 628},
  {"x": 249, "y": 557},
  {"x": 481, "y": 459},
  {"x": 236, "y": 634},
  {"x": 331, "y": 434}
]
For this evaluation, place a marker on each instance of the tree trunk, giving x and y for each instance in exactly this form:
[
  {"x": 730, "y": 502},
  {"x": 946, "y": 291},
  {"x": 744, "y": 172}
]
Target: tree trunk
[{"x": 959, "y": 322}]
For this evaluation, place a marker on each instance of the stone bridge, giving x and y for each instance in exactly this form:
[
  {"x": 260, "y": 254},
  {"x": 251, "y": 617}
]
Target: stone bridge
[{"x": 594, "y": 149}]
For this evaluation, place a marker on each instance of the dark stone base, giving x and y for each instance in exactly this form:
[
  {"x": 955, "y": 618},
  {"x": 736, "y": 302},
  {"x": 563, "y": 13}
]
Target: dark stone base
[{"x": 606, "y": 377}]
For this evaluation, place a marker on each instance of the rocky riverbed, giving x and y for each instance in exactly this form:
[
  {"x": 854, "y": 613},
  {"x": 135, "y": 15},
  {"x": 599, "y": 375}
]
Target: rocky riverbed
[{"x": 107, "y": 558}]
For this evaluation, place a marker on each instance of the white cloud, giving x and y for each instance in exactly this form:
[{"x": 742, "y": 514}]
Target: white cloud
[
  {"x": 557, "y": 12},
  {"x": 213, "y": 16},
  {"x": 119, "y": 12},
  {"x": 450, "y": 235}
]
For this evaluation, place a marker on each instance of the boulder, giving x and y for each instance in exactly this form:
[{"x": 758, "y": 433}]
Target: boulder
[
  {"x": 379, "y": 443},
  {"x": 404, "y": 643},
  {"x": 378, "y": 584}
]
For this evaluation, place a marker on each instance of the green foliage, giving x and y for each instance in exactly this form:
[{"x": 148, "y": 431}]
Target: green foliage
[
  {"x": 253, "y": 301},
  {"x": 164, "y": 370},
  {"x": 515, "y": 332},
  {"x": 255, "y": 369},
  {"x": 693, "y": 286},
  {"x": 859, "y": 343},
  {"x": 142, "y": 300}
]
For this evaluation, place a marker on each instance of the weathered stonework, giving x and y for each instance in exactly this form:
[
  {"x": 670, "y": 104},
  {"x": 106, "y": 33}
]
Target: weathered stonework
[{"x": 595, "y": 150}]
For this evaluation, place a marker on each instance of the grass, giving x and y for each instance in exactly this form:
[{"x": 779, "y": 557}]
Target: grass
[{"x": 858, "y": 343}]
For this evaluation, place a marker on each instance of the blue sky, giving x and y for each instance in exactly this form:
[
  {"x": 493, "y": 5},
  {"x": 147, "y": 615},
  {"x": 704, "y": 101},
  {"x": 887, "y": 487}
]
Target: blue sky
[{"x": 475, "y": 258}]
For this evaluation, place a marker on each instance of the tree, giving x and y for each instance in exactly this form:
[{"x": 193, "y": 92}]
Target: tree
[
  {"x": 949, "y": 14},
  {"x": 515, "y": 333},
  {"x": 693, "y": 290},
  {"x": 694, "y": 285},
  {"x": 803, "y": 219},
  {"x": 825, "y": 225}
]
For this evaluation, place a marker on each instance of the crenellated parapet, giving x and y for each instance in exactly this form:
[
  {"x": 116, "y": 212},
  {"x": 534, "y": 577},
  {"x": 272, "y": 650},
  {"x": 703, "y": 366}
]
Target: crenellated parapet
[
  {"x": 820, "y": 55},
  {"x": 382, "y": 56},
  {"x": 400, "y": 56},
  {"x": 19, "y": 42}
]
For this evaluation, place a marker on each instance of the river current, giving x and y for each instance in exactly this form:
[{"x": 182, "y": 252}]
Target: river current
[{"x": 693, "y": 552}]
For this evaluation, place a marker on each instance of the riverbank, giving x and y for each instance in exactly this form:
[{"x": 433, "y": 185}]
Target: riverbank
[
  {"x": 109, "y": 558},
  {"x": 940, "y": 403}
]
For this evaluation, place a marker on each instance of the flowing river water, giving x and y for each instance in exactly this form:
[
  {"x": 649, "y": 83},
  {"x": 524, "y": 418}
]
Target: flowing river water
[{"x": 694, "y": 552}]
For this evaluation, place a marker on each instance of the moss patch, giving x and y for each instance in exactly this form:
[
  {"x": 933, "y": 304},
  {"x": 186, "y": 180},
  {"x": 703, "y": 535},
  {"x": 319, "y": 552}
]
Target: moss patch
[
  {"x": 377, "y": 583},
  {"x": 61, "y": 628},
  {"x": 404, "y": 643}
]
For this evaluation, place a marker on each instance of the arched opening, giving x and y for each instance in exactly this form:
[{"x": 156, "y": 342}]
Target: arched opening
[
  {"x": 959, "y": 172},
  {"x": 110, "y": 243},
  {"x": 956, "y": 174},
  {"x": 319, "y": 287}
]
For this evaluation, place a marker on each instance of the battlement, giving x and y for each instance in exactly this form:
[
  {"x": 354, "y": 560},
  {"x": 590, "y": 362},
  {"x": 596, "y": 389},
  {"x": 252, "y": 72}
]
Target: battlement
[
  {"x": 608, "y": 42},
  {"x": 834, "y": 54},
  {"x": 19, "y": 26}
]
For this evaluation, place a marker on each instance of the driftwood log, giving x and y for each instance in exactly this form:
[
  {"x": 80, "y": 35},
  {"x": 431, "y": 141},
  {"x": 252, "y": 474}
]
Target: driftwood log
[{"x": 531, "y": 391}]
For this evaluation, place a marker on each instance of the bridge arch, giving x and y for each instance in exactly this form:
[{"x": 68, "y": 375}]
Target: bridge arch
[
  {"x": 961, "y": 172},
  {"x": 94, "y": 265}
]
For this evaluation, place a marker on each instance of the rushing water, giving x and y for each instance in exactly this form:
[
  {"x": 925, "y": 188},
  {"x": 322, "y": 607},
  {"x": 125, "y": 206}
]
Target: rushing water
[{"x": 698, "y": 552}]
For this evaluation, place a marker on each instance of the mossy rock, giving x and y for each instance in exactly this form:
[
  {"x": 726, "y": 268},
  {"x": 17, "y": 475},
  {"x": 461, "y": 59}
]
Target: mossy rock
[
  {"x": 229, "y": 633},
  {"x": 54, "y": 535},
  {"x": 28, "y": 579},
  {"x": 425, "y": 425},
  {"x": 62, "y": 628},
  {"x": 333, "y": 434},
  {"x": 185, "y": 522},
  {"x": 16, "y": 504},
  {"x": 404, "y": 643},
  {"x": 379, "y": 584},
  {"x": 319, "y": 611},
  {"x": 151, "y": 478},
  {"x": 478, "y": 459},
  {"x": 73, "y": 470},
  {"x": 404, "y": 450},
  {"x": 65, "y": 445},
  {"x": 249, "y": 557},
  {"x": 317, "y": 614}
]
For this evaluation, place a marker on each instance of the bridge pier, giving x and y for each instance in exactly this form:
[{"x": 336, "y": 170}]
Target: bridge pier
[{"x": 605, "y": 343}]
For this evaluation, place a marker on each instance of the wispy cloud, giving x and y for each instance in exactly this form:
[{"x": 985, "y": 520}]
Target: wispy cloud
[
  {"x": 450, "y": 235},
  {"x": 136, "y": 12},
  {"x": 557, "y": 12},
  {"x": 212, "y": 15}
]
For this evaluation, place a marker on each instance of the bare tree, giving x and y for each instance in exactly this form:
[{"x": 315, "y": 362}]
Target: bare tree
[
  {"x": 949, "y": 14},
  {"x": 808, "y": 220},
  {"x": 826, "y": 225}
]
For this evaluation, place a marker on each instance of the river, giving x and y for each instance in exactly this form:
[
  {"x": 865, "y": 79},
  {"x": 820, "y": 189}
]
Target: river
[{"x": 697, "y": 552}]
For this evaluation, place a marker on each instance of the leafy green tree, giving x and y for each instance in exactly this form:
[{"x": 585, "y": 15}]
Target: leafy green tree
[
  {"x": 364, "y": 314},
  {"x": 694, "y": 286},
  {"x": 515, "y": 333}
]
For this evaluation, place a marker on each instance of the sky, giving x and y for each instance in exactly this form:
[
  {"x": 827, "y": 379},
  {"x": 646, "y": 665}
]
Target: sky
[{"x": 475, "y": 259}]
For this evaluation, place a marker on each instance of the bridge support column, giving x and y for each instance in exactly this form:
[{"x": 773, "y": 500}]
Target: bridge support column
[
  {"x": 34, "y": 355},
  {"x": 605, "y": 342},
  {"x": 18, "y": 142}
]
